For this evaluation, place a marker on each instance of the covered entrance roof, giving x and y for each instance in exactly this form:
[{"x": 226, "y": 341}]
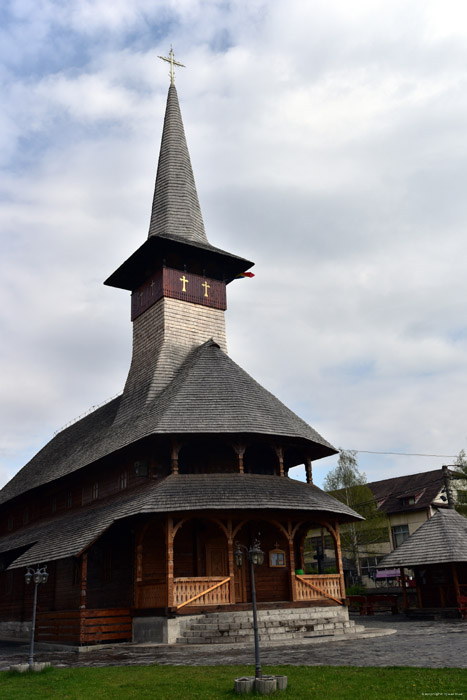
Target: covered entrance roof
[{"x": 72, "y": 533}]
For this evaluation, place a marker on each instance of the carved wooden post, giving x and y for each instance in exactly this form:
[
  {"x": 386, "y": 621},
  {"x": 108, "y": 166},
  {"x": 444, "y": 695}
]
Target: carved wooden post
[
  {"x": 170, "y": 562},
  {"x": 139, "y": 562},
  {"x": 84, "y": 581},
  {"x": 455, "y": 580},
  {"x": 293, "y": 582},
  {"x": 240, "y": 450},
  {"x": 175, "y": 449},
  {"x": 340, "y": 568},
  {"x": 82, "y": 598},
  {"x": 280, "y": 457},
  {"x": 308, "y": 471},
  {"x": 230, "y": 554}
]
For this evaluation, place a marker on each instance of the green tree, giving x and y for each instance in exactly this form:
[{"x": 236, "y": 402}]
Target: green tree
[
  {"x": 349, "y": 485},
  {"x": 460, "y": 491}
]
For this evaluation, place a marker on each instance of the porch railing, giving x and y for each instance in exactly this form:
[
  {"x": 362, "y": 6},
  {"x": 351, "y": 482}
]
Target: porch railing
[
  {"x": 318, "y": 586},
  {"x": 201, "y": 590}
]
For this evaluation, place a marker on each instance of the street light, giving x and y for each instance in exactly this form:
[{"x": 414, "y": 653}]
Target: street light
[
  {"x": 256, "y": 558},
  {"x": 37, "y": 576}
]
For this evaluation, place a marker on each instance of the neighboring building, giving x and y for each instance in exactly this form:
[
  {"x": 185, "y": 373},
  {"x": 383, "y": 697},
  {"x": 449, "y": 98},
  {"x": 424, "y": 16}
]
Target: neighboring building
[
  {"x": 136, "y": 509},
  {"x": 408, "y": 501},
  {"x": 437, "y": 553}
]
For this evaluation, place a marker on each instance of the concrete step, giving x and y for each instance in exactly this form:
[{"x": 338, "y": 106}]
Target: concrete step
[{"x": 273, "y": 625}]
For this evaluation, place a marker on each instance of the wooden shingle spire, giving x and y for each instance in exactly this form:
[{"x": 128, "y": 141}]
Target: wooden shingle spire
[{"x": 176, "y": 212}]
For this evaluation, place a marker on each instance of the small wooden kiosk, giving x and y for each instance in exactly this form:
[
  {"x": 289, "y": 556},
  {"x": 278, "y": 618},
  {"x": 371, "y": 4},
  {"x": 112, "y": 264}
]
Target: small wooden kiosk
[{"x": 437, "y": 552}]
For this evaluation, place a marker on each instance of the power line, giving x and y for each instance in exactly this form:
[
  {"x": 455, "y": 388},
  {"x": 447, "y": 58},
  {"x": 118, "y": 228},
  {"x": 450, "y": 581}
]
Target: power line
[{"x": 402, "y": 454}]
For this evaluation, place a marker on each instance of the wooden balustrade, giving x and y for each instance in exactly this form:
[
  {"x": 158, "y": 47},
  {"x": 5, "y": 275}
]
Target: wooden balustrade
[
  {"x": 318, "y": 586},
  {"x": 201, "y": 590}
]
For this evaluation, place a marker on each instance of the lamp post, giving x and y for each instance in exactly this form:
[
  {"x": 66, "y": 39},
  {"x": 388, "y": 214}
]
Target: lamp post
[
  {"x": 38, "y": 576},
  {"x": 256, "y": 558}
]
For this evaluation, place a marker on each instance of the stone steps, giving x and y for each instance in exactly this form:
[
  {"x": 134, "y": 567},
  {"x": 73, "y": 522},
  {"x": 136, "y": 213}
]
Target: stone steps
[{"x": 273, "y": 626}]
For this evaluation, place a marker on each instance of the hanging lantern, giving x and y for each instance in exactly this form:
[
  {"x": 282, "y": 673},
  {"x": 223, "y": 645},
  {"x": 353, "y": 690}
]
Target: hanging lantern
[{"x": 255, "y": 554}]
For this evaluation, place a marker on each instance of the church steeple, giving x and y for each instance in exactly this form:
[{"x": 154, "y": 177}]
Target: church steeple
[
  {"x": 175, "y": 209},
  {"x": 177, "y": 278}
]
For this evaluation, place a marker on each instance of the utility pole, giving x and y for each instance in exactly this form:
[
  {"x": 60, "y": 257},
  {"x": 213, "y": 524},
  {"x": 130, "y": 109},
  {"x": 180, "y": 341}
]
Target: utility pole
[{"x": 447, "y": 485}]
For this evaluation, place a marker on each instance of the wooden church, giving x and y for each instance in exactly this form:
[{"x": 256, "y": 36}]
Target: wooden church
[{"x": 137, "y": 508}]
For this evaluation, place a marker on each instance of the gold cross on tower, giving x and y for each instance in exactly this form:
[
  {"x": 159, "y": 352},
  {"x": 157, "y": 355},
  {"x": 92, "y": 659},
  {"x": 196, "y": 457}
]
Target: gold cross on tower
[
  {"x": 206, "y": 287},
  {"x": 184, "y": 281},
  {"x": 172, "y": 64}
]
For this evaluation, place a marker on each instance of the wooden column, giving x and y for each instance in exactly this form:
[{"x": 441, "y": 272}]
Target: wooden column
[
  {"x": 442, "y": 595},
  {"x": 240, "y": 450},
  {"x": 455, "y": 579},
  {"x": 175, "y": 449},
  {"x": 280, "y": 457},
  {"x": 404, "y": 589},
  {"x": 293, "y": 582},
  {"x": 340, "y": 568},
  {"x": 138, "y": 573},
  {"x": 308, "y": 471},
  {"x": 170, "y": 561},
  {"x": 84, "y": 582},
  {"x": 419, "y": 594},
  {"x": 230, "y": 555},
  {"x": 82, "y": 598}
]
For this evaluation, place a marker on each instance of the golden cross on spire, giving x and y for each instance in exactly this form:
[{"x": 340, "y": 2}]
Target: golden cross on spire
[{"x": 172, "y": 64}]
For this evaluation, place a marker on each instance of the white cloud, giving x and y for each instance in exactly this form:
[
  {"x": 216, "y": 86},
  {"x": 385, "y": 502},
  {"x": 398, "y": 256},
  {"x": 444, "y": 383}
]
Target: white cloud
[{"x": 328, "y": 143}]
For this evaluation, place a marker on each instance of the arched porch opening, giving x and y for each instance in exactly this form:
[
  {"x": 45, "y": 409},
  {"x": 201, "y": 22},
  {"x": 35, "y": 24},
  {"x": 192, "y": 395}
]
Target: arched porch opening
[
  {"x": 273, "y": 576},
  {"x": 200, "y": 549}
]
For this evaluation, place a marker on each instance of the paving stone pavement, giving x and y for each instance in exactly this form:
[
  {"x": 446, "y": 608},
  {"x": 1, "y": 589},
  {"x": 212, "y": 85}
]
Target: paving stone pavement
[{"x": 429, "y": 644}]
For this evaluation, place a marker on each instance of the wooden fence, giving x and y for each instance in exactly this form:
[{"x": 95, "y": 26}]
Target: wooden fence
[
  {"x": 318, "y": 586},
  {"x": 201, "y": 590}
]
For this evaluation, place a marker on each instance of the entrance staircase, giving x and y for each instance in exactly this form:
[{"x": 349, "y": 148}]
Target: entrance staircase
[{"x": 275, "y": 625}]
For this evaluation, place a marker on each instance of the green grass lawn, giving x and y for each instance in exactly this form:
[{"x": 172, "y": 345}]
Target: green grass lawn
[{"x": 216, "y": 683}]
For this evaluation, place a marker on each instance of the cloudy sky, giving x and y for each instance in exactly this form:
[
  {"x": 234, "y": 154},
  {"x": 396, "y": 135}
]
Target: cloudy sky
[{"x": 328, "y": 141}]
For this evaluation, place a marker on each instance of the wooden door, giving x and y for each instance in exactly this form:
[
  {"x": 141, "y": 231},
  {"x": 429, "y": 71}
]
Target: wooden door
[
  {"x": 241, "y": 595},
  {"x": 216, "y": 560}
]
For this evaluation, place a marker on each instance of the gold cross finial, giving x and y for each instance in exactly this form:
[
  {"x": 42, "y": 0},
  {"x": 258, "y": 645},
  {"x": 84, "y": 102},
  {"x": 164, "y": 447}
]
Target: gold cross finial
[{"x": 173, "y": 63}]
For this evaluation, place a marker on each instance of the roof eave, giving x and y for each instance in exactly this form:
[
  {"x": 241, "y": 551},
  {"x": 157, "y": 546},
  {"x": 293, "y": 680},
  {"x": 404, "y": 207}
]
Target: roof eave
[{"x": 158, "y": 250}]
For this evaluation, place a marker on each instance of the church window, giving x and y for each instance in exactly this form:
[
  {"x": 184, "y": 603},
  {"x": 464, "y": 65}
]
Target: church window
[
  {"x": 95, "y": 491},
  {"x": 10, "y": 522},
  {"x": 25, "y": 516},
  {"x": 399, "y": 534},
  {"x": 54, "y": 504},
  {"x": 123, "y": 480},
  {"x": 277, "y": 558}
]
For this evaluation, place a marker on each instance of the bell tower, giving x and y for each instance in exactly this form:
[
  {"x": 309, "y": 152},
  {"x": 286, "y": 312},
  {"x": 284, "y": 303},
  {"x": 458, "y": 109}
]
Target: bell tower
[{"x": 177, "y": 278}]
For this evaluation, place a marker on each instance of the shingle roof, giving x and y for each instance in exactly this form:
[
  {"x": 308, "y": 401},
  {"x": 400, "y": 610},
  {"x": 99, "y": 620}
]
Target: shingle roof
[
  {"x": 176, "y": 219},
  {"x": 210, "y": 394},
  {"x": 425, "y": 485},
  {"x": 441, "y": 539},
  {"x": 174, "y": 493},
  {"x": 175, "y": 208}
]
